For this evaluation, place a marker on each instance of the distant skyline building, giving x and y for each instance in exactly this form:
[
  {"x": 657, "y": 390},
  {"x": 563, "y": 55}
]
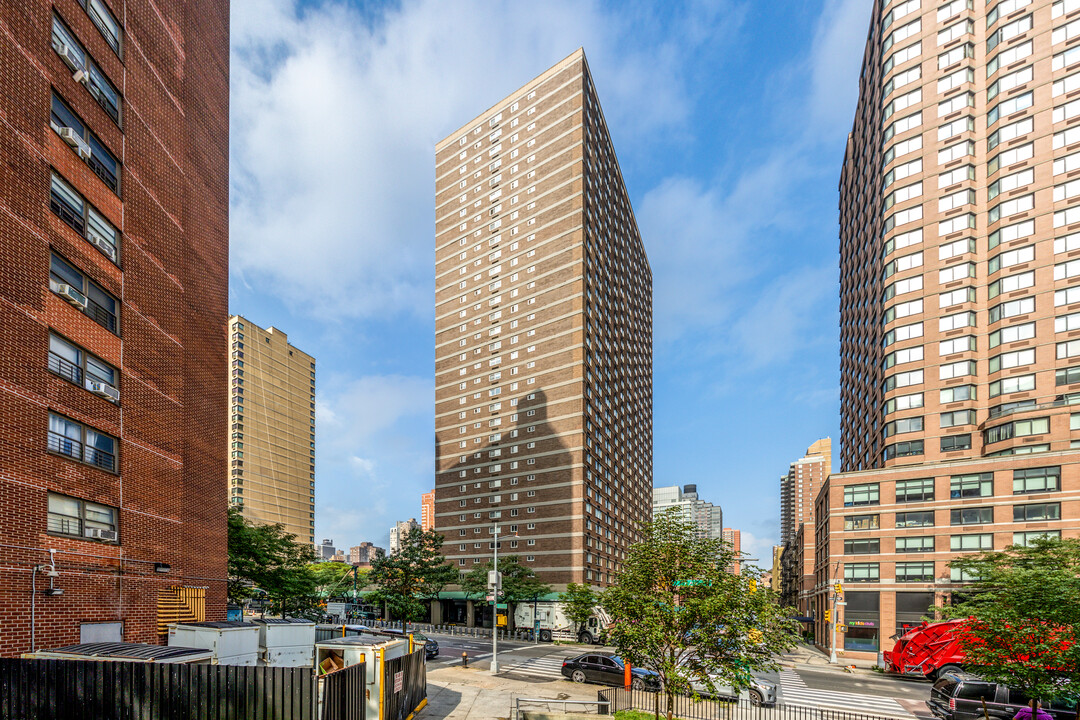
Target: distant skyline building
[
  {"x": 543, "y": 345},
  {"x": 398, "y": 533},
  {"x": 272, "y": 428},
  {"x": 707, "y": 517},
  {"x": 734, "y": 538},
  {"x": 800, "y": 486},
  {"x": 325, "y": 550},
  {"x": 363, "y": 554},
  {"x": 959, "y": 307},
  {"x": 427, "y": 511}
]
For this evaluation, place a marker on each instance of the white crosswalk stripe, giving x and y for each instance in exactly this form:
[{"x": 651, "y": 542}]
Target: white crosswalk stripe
[
  {"x": 548, "y": 667},
  {"x": 793, "y": 691}
]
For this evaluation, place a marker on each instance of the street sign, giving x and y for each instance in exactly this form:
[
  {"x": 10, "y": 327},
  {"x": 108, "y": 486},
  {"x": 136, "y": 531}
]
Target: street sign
[{"x": 691, "y": 583}]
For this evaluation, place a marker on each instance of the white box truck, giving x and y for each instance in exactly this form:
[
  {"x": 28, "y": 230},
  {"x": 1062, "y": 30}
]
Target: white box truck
[{"x": 551, "y": 623}]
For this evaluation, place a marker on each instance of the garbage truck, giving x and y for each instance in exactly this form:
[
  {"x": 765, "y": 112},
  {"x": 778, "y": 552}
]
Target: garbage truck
[{"x": 549, "y": 620}]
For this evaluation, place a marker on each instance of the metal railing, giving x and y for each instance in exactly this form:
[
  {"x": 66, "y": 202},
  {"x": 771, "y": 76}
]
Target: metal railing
[
  {"x": 65, "y": 368},
  {"x": 521, "y": 635},
  {"x": 603, "y": 706},
  {"x": 690, "y": 708},
  {"x": 75, "y": 449}
]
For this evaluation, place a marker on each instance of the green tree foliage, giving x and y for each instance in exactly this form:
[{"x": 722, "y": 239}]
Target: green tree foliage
[
  {"x": 268, "y": 559},
  {"x": 333, "y": 578},
  {"x": 418, "y": 571},
  {"x": 679, "y": 612},
  {"x": 1024, "y": 616},
  {"x": 519, "y": 583},
  {"x": 578, "y": 603}
]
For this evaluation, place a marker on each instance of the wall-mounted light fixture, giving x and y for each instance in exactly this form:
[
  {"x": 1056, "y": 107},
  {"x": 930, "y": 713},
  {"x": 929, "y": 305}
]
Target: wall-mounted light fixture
[
  {"x": 53, "y": 591},
  {"x": 162, "y": 568}
]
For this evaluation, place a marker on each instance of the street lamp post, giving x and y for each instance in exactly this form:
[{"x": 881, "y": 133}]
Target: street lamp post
[
  {"x": 495, "y": 607},
  {"x": 835, "y": 620}
]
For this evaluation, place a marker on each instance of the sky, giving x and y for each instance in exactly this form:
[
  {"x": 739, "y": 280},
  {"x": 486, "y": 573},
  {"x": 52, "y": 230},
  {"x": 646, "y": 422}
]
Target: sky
[{"x": 729, "y": 121}]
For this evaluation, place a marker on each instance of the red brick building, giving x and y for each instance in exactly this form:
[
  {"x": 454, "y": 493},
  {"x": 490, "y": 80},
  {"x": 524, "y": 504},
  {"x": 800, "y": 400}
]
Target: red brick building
[{"x": 113, "y": 284}]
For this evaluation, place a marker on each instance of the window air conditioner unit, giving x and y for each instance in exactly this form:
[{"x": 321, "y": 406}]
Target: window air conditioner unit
[
  {"x": 72, "y": 295},
  {"x": 76, "y": 141},
  {"x": 101, "y": 534},
  {"x": 71, "y": 60},
  {"x": 103, "y": 389},
  {"x": 102, "y": 244}
]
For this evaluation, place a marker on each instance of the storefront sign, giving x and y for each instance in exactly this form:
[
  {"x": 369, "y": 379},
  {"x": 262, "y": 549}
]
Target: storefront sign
[{"x": 862, "y": 623}]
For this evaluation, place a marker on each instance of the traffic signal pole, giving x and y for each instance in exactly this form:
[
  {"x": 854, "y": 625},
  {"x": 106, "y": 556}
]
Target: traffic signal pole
[{"x": 495, "y": 610}]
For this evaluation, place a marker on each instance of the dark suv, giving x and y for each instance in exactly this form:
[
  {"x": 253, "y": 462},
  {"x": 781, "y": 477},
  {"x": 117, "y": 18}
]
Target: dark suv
[{"x": 960, "y": 696}]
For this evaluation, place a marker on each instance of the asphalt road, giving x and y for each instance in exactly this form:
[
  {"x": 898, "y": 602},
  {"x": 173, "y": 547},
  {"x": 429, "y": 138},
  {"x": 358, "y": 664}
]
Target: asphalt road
[{"x": 824, "y": 687}]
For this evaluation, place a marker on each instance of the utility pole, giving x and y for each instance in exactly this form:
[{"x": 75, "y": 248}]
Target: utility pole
[{"x": 494, "y": 587}]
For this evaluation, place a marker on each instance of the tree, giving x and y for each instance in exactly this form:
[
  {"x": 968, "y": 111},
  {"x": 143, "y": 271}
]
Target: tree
[
  {"x": 578, "y": 603},
  {"x": 332, "y": 577},
  {"x": 416, "y": 572},
  {"x": 1023, "y": 617},
  {"x": 679, "y": 612},
  {"x": 519, "y": 583},
  {"x": 266, "y": 558}
]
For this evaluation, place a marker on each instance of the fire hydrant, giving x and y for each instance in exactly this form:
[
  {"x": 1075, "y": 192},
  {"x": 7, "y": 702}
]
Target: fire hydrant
[{"x": 464, "y": 659}]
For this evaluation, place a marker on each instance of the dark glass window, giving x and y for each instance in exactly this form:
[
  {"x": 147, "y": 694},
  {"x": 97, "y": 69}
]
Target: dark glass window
[
  {"x": 971, "y": 486},
  {"x": 920, "y": 490},
  {"x": 1033, "y": 513},
  {"x": 88, "y": 297},
  {"x": 862, "y": 547},
  {"x": 75, "y": 440},
  {"x": 74, "y": 132},
  {"x": 922, "y": 518},
  {"x": 1033, "y": 480},
  {"x": 956, "y": 442},
  {"x": 971, "y": 516}
]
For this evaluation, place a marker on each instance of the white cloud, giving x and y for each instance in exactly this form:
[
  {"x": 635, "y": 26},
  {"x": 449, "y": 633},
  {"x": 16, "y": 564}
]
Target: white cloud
[
  {"x": 839, "y": 41},
  {"x": 336, "y": 111}
]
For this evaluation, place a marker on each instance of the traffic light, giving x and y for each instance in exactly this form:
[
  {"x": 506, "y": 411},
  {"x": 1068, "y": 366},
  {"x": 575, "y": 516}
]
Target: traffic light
[
  {"x": 828, "y": 616},
  {"x": 838, "y": 588},
  {"x": 753, "y": 585}
]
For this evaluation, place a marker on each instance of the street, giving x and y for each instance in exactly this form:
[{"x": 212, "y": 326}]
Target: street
[{"x": 826, "y": 688}]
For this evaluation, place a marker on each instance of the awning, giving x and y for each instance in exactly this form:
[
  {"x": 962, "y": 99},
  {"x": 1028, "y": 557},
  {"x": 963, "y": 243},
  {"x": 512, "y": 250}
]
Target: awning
[{"x": 803, "y": 618}]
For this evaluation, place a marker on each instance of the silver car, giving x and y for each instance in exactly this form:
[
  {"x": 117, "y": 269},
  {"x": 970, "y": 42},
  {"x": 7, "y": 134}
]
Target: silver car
[{"x": 761, "y": 693}]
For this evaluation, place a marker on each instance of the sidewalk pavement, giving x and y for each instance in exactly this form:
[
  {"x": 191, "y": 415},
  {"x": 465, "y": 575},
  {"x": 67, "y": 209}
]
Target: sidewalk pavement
[
  {"x": 456, "y": 693},
  {"x": 804, "y": 655}
]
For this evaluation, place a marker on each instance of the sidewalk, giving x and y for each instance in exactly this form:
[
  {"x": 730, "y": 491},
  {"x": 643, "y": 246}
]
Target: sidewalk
[
  {"x": 809, "y": 656},
  {"x": 456, "y": 693}
]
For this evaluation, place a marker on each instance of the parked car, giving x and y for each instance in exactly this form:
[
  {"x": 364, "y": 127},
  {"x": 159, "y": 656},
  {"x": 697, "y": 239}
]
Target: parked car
[
  {"x": 959, "y": 696},
  {"x": 761, "y": 693},
  {"x": 608, "y": 669},
  {"x": 431, "y": 647}
]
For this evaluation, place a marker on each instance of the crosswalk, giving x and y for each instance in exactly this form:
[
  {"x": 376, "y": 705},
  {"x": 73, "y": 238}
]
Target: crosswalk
[
  {"x": 544, "y": 669},
  {"x": 793, "y": 691}
]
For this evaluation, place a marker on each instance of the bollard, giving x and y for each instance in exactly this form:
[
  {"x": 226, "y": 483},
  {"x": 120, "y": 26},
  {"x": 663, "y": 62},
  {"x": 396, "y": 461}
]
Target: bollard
[{"x": 464, "y": 659}]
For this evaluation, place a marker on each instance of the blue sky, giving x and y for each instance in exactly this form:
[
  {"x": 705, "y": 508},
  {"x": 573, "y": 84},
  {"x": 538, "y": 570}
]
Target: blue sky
[{"x": 729, "y": 120}]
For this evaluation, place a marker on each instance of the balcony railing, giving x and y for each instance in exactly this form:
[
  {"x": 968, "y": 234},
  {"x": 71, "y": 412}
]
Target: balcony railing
[
  {"x": 65, "y": 368},
  {"x": 64, "y": 445}
]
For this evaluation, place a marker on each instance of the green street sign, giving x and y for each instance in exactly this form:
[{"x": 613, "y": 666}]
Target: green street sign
[
  {"x": 691, "y": 583},
  {"x": 500, "y": 606}
]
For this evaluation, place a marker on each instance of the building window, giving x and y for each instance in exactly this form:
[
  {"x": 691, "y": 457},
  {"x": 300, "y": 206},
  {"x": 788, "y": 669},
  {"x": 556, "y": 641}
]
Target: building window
[
  {"x": 78, "y": 518},
  {"x": 861, "y": 572},
  {"x": 971, "y": 486},
  {"x": 923, "y": 518},
  {"x": 915, "y": 544},
  {"x": 105, "y": 23},
  {"x": 971, "y": 516},
  {"x": 971, "y": 543},
  {"x": 75, "y": 440},
  {"x": 74, "y": 56},
  {"x": 1034, "y": 480},
  {"x": 85, "y": 144},
  {"x": 861, "y": 522},
  {"x": 77, "y": 366},
  {"x": 862, "y": 547},
  {"x": 70, "y": 207},
  {"x": 903, "y": 449},
  {"x": 920, "y": 490},
  {"x": 1018, "y": 428},
  {"x": 953, "y": 443},
  {"x": 855, "y": 495},
  {"x": 1024, "y": 538},
  {"x": 85, "y": 295},
  {"x": 914, "y": 572},
  {"x": 1036, "y": 513}
]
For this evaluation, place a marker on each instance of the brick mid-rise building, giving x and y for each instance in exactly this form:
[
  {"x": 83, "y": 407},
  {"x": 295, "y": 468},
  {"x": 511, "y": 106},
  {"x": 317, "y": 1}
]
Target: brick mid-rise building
[
  {"x": 959, "y": 305},
  {"x": 113, "y": 288},
  {"x": 543, "y": 348}
]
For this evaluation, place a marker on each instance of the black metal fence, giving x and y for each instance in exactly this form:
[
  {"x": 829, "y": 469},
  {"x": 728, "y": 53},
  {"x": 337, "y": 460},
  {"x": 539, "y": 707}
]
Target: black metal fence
[
  {"x": 404, "y": 685},
  {"x": 688, "y": 708},
  {"x": 76, "y": 689},
  {"x": 343, "y": 694}
]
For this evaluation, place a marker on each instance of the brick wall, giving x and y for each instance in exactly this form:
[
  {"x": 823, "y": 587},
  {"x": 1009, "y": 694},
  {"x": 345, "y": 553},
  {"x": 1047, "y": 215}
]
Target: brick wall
[{"x": 170, "y": 281}]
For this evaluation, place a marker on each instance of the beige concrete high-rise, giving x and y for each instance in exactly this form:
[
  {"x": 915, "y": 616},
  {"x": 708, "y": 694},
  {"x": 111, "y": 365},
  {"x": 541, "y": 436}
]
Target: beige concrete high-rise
[
  {"x": 272, "y": 435},
  {"x": 800, "y": 487},
  {"x": 959, "y": 305},
  {"x": 543, "y": 359}
]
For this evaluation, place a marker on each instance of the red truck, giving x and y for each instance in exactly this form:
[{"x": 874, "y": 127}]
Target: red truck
[{"x": 927, "y": 650}]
